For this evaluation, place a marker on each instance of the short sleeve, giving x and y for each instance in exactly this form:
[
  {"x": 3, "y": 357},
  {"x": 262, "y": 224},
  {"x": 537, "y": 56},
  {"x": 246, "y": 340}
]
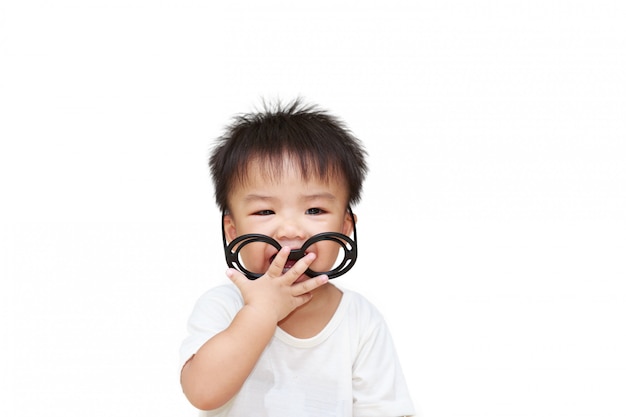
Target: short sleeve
[
  {"x": 379, "y": 386},
  {"x": 212, "y": 313}
]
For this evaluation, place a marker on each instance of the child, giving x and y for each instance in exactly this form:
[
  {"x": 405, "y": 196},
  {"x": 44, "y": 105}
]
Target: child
[{"x": 283, "y": 341}]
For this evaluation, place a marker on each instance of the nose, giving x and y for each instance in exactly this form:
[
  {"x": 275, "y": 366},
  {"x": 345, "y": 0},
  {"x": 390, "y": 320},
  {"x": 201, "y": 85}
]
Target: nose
[{"x": 290, "y": 233}]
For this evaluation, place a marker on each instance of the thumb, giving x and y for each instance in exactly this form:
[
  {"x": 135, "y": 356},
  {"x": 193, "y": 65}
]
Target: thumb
[{"x": 236, "y": 277}]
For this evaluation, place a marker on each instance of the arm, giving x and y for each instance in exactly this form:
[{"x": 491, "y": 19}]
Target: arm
[{"x": 220, "y": 367}]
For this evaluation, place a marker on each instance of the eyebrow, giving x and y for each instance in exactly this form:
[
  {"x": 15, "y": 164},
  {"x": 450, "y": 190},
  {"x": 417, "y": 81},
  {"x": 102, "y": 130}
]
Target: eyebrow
[
  {"x": 307, "y": 197},
  {"x": 252, "y": 197},
  {"x": 324, "y": 196}
]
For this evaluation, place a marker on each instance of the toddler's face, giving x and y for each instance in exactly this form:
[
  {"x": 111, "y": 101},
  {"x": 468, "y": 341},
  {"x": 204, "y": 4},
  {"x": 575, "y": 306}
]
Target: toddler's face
[{"x": 289, "y": 209}]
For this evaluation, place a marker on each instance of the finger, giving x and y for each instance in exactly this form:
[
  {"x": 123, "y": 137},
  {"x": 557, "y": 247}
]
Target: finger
[
  {"x": 309, "y": 285},
  {"x": 278, "y": 264},
  {"x": 302, "y": 299},
  {"x": 300, "y": 267},
  {"x": 238, "y": 278}
]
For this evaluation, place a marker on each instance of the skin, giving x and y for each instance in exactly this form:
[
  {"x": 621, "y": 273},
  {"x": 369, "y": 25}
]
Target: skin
[{"x": 290, "y": 209}]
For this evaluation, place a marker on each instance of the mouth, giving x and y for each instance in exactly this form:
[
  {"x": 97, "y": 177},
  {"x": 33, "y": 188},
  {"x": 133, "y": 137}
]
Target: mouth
[
  {"x": 294, "y": 257},
  {"x": 288, "y": 265}
]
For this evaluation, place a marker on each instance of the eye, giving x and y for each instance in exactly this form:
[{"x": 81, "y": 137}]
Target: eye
[
  {"x": 264, "y": 213},
  {"x": 315, "y": 211}
]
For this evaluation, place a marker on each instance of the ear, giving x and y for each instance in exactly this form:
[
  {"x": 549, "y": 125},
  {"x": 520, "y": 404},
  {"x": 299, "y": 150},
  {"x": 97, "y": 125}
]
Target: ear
[
  {"x": 229, "y": 228},
  {"x": 348, "y": 226}
]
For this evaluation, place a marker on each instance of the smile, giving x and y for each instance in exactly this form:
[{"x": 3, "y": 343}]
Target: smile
[
  {"x": 288, "y": 265},
  {"x": 294, "y": 256}
]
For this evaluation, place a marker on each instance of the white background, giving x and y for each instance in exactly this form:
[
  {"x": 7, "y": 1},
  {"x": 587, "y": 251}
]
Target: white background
[{"x": 492, "y": 230}]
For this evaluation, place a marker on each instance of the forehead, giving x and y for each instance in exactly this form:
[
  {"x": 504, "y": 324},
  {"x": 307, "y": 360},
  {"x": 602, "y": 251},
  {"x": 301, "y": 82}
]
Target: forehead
[{"x": 272, "y": 176}]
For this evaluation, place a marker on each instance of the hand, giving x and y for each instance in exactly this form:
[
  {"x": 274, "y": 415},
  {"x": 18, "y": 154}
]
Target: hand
[{"x": 275, "y": 293}]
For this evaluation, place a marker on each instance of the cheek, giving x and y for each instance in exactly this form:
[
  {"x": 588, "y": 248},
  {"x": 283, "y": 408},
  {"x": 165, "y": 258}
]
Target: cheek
[
  {"x": 255, "y": 256},
  {"x": 329, "y": 254}
]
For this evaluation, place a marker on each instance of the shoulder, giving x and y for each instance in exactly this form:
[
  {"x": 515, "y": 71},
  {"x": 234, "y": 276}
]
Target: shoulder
[
  {"x": 222, "y": 293},
  {"x": 361, "y": 312},
  {"x": 222, "y": 300},
  {"x": 358, "y": 303}
]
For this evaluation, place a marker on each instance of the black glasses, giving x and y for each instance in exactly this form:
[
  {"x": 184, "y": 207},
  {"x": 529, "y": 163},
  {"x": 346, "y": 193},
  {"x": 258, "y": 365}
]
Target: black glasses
[{"x": 345, "y": 247}]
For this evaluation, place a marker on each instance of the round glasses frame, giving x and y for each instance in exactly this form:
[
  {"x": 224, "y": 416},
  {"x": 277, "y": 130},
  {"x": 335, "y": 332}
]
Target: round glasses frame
[{"x": 349, "y": 246}]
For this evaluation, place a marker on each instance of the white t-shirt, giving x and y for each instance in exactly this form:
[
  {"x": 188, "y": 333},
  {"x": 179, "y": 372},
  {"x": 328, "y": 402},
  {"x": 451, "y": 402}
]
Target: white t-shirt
[{"x": 349, "y": 369}]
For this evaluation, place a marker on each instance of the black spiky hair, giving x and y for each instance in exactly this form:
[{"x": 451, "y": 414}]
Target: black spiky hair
[{"x": 319, "y": 141}]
